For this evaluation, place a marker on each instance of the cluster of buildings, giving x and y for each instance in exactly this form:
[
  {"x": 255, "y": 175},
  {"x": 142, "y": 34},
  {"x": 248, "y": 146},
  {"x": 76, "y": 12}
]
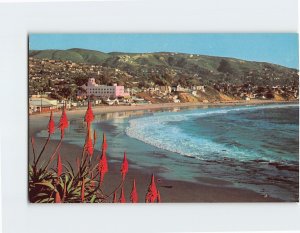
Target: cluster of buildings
[
  {"x": 249, "y": 91},
  {"x": 54, "y": 83},
  {"x": 47, "y": 75},
  {"x": 109, "y": 95},
  {"x": 169, "y": 91}
]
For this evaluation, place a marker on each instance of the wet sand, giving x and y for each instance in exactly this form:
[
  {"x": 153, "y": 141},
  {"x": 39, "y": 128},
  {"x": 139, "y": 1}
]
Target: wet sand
[{"x": 210, "y": 190}]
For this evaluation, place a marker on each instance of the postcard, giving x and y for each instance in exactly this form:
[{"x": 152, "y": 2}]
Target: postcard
[{"x": 163, "y": 118}]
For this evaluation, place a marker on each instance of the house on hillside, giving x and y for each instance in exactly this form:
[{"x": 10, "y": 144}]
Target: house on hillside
[
  {"x": 165, "y": 89},
  {"x": 194, "y": 93},
  {"x": 198, "y": 88},
  {"x": 177, "y": 87}
]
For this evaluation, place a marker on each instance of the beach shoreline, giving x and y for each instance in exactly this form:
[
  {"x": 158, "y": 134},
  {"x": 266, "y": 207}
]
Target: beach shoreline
[
  {"x": 171, "y": 190},
  {"x": 125, "y": 108}
]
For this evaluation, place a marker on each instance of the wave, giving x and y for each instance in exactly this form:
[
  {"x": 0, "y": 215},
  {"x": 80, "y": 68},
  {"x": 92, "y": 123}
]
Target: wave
[{"x": 160, "y": 130}]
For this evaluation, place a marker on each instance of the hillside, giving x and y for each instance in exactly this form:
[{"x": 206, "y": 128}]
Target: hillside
[
  {"x": 166, "y": 68},
  {"x": 75, "y": 55}
]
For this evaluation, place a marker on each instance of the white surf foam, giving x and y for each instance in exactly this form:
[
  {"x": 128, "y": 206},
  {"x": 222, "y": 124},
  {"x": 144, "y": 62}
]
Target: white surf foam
[{"x": 156, "y": 131}]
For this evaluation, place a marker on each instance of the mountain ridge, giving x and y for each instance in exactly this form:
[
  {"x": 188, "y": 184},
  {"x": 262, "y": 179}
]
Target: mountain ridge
[
  {"x": 116, "y": 53},
  {"x": 172, "y": 67}
]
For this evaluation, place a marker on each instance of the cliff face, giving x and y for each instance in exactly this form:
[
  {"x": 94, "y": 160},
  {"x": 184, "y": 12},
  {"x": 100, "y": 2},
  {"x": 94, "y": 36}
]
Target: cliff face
[
  {"x": 186, "y": 97},
  {"x": 212, "y": 97}
]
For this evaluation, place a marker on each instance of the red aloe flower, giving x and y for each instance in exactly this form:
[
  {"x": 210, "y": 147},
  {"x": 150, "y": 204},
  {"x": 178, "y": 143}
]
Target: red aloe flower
[
  {"x": 51, "y": 124},
  {"x": 103, "y": 166},
  {"x": 122, "y": 196},
  {"x": 104, "y": 143},
  {"x": 151, "y": 195},
  {"x": 59, "y": 166},
  {"x": 32, "y": 140},
  {"x": 63, "y": 122},
  {"x": 89, "y": 146},
  {"x": 82, "y": 191},
  {"x": 134, "y": 195},
  {"x": 158, "y": 197},
  {"x": 57, "y": 198},
  {"x": 89, "y": 115},
  {"x": 114, "y": 198},
  {"x": 124, "y": 167}
]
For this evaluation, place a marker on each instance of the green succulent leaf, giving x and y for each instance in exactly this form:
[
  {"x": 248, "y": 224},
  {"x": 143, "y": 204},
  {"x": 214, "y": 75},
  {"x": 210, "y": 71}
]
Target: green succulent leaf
[{"x": 47, "y": 184}]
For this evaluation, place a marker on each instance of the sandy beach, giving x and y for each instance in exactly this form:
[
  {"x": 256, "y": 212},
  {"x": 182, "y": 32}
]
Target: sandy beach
[
  {"x": 210, "y": 190},
  {"x": 121, "y": 108}
]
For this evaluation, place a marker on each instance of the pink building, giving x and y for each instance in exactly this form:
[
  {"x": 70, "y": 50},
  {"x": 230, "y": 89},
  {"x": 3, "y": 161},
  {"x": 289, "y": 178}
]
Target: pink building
[{"x": 92, "y": 88}]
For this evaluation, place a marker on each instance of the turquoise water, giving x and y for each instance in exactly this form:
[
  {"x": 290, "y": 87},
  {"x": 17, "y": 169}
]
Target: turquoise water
[
  {"x": 244, "y": 133},
  {"x": 254, "y": 147}
]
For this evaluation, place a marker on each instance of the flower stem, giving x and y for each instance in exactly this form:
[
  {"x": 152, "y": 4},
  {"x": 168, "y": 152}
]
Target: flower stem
[
  {"x": 116, "y": 189},
  {"x": 44, "y": 147},
  {"x": 33, "y": 151},
  {"x": 52, "y": 156}
]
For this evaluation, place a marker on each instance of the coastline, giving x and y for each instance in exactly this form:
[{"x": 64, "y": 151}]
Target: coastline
[
  {"x": 121, "y": 108},
  {"x": 171, "y": 191}
]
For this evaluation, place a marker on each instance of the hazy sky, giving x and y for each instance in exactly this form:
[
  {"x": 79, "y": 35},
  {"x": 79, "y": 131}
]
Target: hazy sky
[{"x": 275, "y": 48}]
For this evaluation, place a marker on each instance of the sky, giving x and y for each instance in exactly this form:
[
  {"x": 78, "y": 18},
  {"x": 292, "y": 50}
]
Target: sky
[{"x": 277, "y": 48}]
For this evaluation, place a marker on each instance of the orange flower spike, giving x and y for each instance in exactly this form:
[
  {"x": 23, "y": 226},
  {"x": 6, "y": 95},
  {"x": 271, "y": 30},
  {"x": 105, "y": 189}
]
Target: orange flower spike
[
  {"x": 51, "y": 124},
  {"x": 63, "y": 122},
  {"x": 104, "y": 143},
  {"x": 134, "y": 195},
  {"x": 57, "y": 198},
  {"x": 82, "y": 190},
  {"x": 89, "y": 115},
  {"x": 89, "y": 146},
  {"x": 114, "y": 198},
  {"x": 122, "y": 196},
  {"x": 151, "y": 195},
  {"x": 103, "y": 166},
  {"x": 59, "y": 166},
  {"x": 124, "y": 167}
]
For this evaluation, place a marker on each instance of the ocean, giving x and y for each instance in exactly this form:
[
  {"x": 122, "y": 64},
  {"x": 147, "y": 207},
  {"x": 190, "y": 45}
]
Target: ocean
[{"x": 253, "y": 147}]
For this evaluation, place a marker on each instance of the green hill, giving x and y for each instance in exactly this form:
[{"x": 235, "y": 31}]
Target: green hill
[
  {"x": 168, "y": 67},
  {"x": 75, "y": 55}
]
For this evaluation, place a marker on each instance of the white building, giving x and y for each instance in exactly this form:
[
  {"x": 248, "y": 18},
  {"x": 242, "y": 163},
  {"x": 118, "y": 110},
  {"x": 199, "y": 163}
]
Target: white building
[
  {"x": 92, "y": 88},
  {"x": 198, "y": 88},
  {"x": 42, "y": 104}
]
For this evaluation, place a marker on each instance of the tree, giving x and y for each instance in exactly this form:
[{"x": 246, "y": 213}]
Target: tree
[
  {"x": 68, "y": 92},
  {"x": 56, "y": 96},
  {"x": 50, "y": 83},
  {"x": 79, "y": 81},
  {"x": 225, "y": 67}
]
